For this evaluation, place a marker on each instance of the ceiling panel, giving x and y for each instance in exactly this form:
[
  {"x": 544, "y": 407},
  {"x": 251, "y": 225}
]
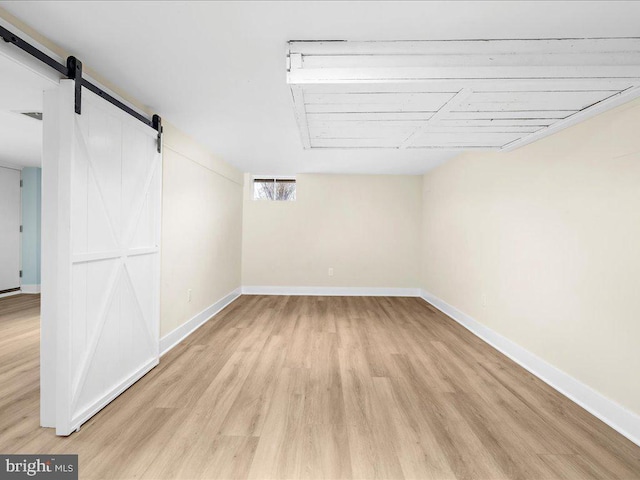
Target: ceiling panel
[
  {"x": 473, "y": 138},
  {"x": 419, "y": 105},
  {"x": 453, "y": 94},
  {"x": 369, "y": 116}
]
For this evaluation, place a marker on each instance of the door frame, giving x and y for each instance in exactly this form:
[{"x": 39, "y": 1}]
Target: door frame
[
  {"x": 47, "y": 329},
  {"x": 20, "y": 233}
]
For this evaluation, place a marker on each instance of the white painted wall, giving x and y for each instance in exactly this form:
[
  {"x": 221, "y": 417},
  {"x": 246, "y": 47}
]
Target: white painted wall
[
  {"x": 548, "y": 236},
  {"x": 201, "y": 230},
  {"x": 365, "y": 227}
]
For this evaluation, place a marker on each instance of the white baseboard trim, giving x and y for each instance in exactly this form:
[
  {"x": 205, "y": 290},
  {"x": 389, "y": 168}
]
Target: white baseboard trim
[
  {"x": 333, "y": 291},
  {"x": 32, "y": 289},
  {"x": 173, "y": 338},
  {"x": 616, "y": 416}
]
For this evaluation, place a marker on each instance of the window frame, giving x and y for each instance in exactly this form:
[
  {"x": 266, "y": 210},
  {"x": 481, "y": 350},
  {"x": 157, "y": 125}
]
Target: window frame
[{"x": 275, "y": 180}]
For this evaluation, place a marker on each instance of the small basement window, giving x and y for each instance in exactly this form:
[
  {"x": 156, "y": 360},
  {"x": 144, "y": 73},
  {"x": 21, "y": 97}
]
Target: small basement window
[{"x": 280, "y": 189}]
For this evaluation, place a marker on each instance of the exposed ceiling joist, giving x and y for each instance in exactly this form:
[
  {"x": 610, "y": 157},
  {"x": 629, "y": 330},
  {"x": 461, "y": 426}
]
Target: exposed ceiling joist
[{"x": 490, "y": 94}]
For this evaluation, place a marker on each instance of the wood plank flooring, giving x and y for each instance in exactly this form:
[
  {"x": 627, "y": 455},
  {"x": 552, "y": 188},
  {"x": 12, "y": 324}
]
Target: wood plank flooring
[{"x": 318, "y": 387}]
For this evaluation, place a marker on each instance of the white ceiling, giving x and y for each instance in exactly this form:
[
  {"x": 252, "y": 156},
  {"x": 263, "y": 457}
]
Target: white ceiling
[
  {"x": 217, "y": 69},
  {"x": 20, "y": 136}
]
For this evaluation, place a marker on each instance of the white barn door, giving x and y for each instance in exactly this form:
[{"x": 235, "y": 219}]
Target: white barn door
[{"x": 108, "y": 254}]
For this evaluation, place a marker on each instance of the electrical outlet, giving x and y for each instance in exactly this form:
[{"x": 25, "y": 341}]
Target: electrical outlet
[
  {"x": 189, "y": 296},
  {"x": 484, "y": 300},
  {"x": 330, "y": 272}
]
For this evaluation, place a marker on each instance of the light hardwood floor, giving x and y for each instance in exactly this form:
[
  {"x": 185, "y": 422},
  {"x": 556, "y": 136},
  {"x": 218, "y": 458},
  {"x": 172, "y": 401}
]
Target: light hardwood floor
[{"x": 318, "y": 387}]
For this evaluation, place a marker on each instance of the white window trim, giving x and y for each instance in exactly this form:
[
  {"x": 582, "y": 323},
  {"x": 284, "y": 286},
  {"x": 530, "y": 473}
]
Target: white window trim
[{"x": 275, "y": 178}]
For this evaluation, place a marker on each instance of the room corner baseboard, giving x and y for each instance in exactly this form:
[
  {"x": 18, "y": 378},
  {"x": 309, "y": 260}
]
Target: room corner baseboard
[
  {"x": 333, "y": 291},
  {"x": 616, "y": 416},
  {"x": 31, "y": 289},
  {"x": 176, "y": 336}
]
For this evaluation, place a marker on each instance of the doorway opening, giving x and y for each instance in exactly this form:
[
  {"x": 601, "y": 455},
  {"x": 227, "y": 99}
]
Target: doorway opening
[{"x": 21, "y": 142}]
